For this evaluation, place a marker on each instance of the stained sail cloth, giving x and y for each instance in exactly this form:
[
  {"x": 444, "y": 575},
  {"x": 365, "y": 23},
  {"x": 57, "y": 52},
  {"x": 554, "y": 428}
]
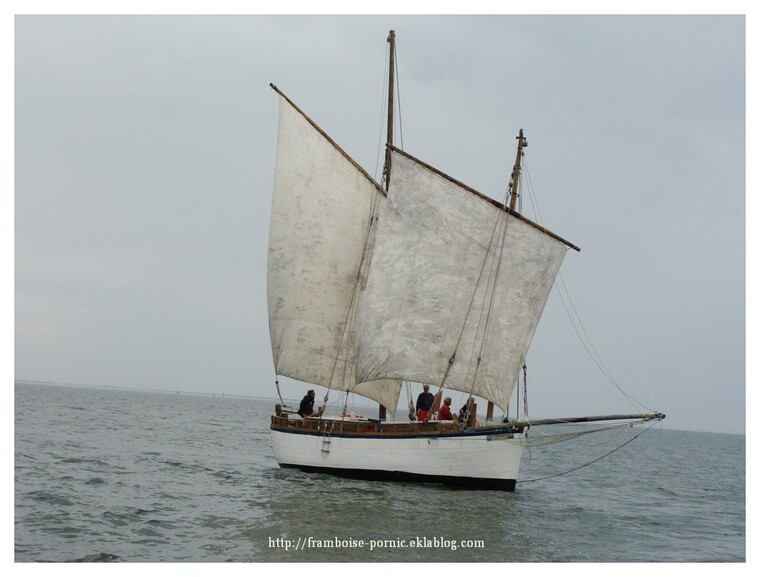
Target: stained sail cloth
[
  {"x": 452, "y": 276},
  {"x": 321, "y": 211}
]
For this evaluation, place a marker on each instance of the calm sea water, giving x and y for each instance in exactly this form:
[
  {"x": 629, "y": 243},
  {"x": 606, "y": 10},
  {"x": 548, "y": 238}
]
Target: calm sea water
[{"x": 124, "y": 476}]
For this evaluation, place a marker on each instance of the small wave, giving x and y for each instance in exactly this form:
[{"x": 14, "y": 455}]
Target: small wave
[
  {"x": 97, "y": 558},
  {"x": 51, "y": 498},
  {"x": 77, "y": 460},
  {"x": 226, "y": 475},
  {"x": 667, "y": 491},
  {"x": 125, "y": 515}
]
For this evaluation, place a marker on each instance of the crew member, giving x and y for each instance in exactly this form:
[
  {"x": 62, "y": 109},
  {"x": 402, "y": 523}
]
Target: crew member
[
  {"x": 306, "y": 408},
  {"x": 424, "y": 403},
  {"x": 444, "y": 413}
]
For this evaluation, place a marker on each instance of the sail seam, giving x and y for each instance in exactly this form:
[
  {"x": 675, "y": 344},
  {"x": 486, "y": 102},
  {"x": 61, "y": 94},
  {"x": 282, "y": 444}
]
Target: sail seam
[{"x": 588, "y": 345}]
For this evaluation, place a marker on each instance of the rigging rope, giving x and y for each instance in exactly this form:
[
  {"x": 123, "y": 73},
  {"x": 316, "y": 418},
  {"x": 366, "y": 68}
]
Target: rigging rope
[
  {"x": 277, "y": 384},
  {"x": 398, "y": 99},
  {"x": 574, "y": 317},
  {"x": 411, "y": 407},
  {"x": 495, "y": 263},
  {"x": 382, "y": 116},
  {"x": 491, "y": 281},
  {"x": 590, "y": 462},
  {"x": 347, "y": 336},
  {"x": 496, "y": 244}
]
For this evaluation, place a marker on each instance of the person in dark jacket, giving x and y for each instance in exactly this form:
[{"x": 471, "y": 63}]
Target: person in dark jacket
[
  {"x": 424, "y": 403},
  {"x": 306, "y": 408}
]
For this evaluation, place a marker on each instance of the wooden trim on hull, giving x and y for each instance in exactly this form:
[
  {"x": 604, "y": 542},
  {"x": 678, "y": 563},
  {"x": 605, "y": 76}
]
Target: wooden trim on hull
[
  {"x": 375, "y": 475},
  {"x": 503, "y": 433},
  {"x": 373, "y": 429}
]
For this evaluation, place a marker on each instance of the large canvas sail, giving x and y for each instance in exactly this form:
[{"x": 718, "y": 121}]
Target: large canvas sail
[
  {"x": 456, "y": 287},
  {"x": 322, "y": 208}
]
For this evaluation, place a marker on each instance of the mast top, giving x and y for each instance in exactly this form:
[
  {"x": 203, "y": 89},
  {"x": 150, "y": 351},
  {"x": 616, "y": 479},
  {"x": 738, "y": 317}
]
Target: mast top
[
  {"x": 389, "y": 130},
  {"x": 515, "y": 178}
]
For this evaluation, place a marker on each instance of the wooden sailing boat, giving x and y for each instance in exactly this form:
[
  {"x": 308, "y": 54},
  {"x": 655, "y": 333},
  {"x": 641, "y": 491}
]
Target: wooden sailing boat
[{"x": 421, "y": 280}]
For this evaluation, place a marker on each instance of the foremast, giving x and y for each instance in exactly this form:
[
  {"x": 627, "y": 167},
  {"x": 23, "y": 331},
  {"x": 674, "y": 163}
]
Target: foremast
[{"x": 512, "y": 193}]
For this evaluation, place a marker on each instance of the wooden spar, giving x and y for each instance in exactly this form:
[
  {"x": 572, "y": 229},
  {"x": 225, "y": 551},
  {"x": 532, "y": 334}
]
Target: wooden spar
[
  {"x": 566, "y": 420},
  {"x": 512, "y": 201},
  {"x": 488, "y": 199},
  {"x": 342, "y": 152},
  {"x": 569, "y": 420},
  {"x": 389, "y": 135},
  {"x": 391, "y": 79},
  {"x": 515, "y": 178}
]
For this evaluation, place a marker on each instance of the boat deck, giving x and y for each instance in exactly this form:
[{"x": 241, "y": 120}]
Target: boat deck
[{"x": 363, "y": 427}]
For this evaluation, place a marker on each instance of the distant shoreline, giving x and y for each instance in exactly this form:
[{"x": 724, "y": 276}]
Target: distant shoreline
[{"x": 145, "y": 390}]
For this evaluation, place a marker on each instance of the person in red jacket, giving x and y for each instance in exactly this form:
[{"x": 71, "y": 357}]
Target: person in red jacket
[{"x": 444, "y": 413}]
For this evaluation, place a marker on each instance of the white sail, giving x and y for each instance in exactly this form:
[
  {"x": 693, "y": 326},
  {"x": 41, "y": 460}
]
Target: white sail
[
  {"x": 321, "y": 212},
  {"x": 453, "y": 276}
]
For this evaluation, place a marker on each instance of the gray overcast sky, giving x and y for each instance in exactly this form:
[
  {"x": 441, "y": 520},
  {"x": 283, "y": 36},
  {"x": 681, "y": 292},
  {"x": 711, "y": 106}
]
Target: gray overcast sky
[{"x": 144, "y": 160}]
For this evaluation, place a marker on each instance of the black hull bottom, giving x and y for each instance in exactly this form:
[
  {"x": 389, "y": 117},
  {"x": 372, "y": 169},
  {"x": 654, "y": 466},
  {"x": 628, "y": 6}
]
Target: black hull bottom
[{"x": 368, "y": 475}]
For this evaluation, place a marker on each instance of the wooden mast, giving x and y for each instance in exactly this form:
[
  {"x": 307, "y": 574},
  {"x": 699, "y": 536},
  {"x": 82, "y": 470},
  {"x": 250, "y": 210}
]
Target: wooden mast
[
  {"x": 391, "y": 83},
  {"x": 514, "y": 180},
  {"x": 389, "y": 137}
]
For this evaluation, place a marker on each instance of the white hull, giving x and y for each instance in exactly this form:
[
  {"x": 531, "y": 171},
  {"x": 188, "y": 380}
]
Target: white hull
[{"x": 474, "y": 459}]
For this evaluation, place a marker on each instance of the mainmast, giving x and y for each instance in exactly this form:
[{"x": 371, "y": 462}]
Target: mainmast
[
  {"x": 515, "y": 178},
  {"x": 389, "y": 136},
  {"x": 391, "y": 79}
]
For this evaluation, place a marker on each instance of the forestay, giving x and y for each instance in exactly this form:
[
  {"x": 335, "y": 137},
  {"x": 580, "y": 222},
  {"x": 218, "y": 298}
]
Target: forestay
[
  {"x": 453, "y": 277},
  {"x": 321, "y": 212}
]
